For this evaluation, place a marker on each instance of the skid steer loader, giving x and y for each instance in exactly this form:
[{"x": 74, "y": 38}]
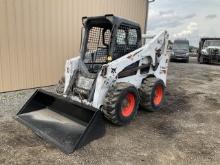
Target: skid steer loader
[{"x": 113, "y": 75}]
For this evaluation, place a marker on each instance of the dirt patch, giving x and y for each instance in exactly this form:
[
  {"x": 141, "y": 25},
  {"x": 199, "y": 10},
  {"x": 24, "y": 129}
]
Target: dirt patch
[
  {"x": 197, "y": 148},
  {"x": 201, "y": 118},
  {"x": 176, "y": 100},
  {"x": 166, "y": 129},
  {"x": 217, "y": 118},
  {"x": 21, "y": 141},
  {"x": 214, "y": 101}
]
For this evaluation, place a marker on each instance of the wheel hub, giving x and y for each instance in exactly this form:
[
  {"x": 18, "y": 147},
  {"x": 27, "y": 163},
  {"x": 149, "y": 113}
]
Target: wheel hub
[
  {"x": 158, "y": 96},
  {"x": 128, "y": 105}
]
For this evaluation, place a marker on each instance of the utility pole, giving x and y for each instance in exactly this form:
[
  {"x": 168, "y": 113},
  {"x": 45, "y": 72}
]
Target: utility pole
[{"x": 147, "y": 2}]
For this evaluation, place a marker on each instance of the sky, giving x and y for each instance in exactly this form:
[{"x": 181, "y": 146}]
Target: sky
[{"x": 188, "y": 19}]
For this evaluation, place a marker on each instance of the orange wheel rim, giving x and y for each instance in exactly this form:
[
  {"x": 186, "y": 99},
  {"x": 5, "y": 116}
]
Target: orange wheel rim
[
  {"x": 129, "y": 106},
  {"x": 158, "y": 95}
]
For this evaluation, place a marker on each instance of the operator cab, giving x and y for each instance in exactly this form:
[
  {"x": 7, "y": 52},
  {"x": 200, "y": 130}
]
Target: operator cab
[{"x": 108, "y": 38}]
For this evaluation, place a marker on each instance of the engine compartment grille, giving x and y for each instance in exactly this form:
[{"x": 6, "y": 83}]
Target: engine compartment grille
[{"x": 214, "y": 51}]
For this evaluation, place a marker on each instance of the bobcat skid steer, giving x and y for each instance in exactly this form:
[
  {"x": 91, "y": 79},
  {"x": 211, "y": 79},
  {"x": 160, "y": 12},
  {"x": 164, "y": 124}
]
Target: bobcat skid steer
[{"x": 113, "y": 75}]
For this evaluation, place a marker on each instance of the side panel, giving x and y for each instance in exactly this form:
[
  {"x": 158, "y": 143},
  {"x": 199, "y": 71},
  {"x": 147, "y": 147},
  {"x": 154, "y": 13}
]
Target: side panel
[{"x": 104, "y": 82}]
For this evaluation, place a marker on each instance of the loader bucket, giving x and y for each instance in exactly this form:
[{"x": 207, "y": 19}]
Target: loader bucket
[{"x": 67, "y": 124}]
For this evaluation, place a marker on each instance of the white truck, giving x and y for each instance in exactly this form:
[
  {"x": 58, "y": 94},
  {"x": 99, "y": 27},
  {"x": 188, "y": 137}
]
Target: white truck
[
  {"x": 180, "y": 51},
  {"x": 209, "y": 50}
]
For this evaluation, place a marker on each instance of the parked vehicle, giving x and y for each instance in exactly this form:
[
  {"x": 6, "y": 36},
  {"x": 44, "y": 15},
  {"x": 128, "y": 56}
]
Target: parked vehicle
[
  {"x": 113, "y": 75},
  {"x": 209, "y": 50},
  {"x": 180, "y": 50}
]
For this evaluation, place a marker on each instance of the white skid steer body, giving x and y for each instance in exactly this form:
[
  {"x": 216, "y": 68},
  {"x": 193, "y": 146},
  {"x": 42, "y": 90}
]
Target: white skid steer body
[{"x": 153, "y": 53}]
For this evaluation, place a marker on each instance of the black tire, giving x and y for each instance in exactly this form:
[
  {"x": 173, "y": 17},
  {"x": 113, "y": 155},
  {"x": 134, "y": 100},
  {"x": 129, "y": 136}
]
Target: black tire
[
  {"x": 113, "y": 109},
  {"x": 208, "y": 61},
  {"x": 147, "y": 93},
  {"x": 200, "y": 60}
]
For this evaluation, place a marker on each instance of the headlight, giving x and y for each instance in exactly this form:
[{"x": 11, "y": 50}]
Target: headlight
[
  {"x": 172, "y": 53},
  {"x": 204, "y": 52}
]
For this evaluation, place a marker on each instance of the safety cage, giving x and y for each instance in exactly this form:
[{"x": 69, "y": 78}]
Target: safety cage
[{"x": 108, "y": 38}]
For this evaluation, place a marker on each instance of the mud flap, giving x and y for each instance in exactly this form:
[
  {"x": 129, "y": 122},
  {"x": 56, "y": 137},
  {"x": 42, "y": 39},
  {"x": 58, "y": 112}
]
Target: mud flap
[{"x": 67, "y": 124}]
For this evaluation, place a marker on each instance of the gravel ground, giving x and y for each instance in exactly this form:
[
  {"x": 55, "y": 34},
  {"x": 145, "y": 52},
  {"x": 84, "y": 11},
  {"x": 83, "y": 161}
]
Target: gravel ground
[{"x": 185, "y": 131}]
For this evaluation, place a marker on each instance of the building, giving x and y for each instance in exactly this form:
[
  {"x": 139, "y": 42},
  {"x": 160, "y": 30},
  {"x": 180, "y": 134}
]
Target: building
[{"x": 37, "y": 36}]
